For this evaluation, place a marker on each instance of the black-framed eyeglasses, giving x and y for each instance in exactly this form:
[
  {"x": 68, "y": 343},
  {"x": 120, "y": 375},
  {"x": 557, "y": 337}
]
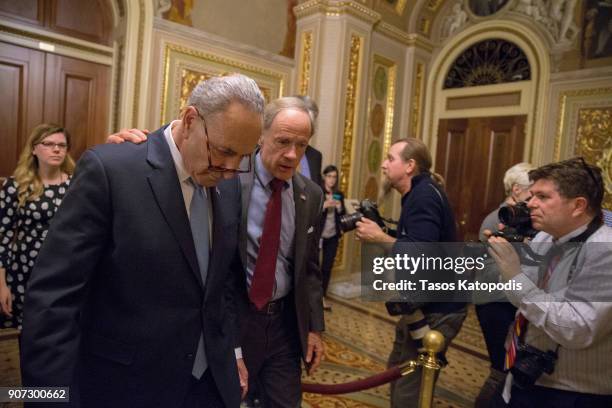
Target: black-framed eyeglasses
[{"x": 220, "y": 169}]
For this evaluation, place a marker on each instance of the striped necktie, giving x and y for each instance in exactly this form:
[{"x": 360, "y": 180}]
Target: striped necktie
[
  {"x": 519, "y": 327},
  {"x": 198, "y": 220}
]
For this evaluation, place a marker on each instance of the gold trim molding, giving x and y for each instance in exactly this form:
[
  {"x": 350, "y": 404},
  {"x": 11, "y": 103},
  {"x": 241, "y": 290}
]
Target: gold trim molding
[
  {"x": 563, "y": 102},
  {"x": 390, "y": 102},
  {"x": 594, "y": 143},
  {"x": 141, "y": 33},
  {"x": 350, "y": 112},
  {"x": 398, "y": 8},
  {"x": 306, "y": 60},
  {"x": 221, "y": 65},
  {"x": 410, "y": 40},
  {"x": 336, "y": 8},
  {"x": 416, "y": 101}
]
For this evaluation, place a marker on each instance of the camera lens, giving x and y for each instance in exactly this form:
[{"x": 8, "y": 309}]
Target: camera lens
[{"x": 348, "y": 222}]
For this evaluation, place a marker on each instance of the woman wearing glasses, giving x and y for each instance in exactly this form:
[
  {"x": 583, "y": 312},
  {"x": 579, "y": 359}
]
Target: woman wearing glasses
[{"x": 28, "y": 201}]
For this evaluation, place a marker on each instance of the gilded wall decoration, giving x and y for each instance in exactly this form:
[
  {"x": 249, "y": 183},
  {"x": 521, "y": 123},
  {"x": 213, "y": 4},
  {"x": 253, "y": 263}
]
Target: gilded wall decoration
[
  {"x": 425, "y": 25},
  {"x": 570, "y": 103},
  {"x": 178, "y": 11},
  {"x": 397, "y": 6},
  {"x": 185, "y": 67},
  {"x": 289, "y": 44},
  {"x": 190, "y": 78},
  {"x": 305, "y": 58},
  {"x": 416, "y": 101},
  {"x": 352, "y": 84},
  {"x": 594, "y": 143},
  {"x": 139, "y": 57}
]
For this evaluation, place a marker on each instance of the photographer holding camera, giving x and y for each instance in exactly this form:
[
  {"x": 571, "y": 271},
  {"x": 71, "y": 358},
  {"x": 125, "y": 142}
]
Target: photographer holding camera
[
  {"x": 426, "y": 217},
  {"x": 559, "y": 349}
]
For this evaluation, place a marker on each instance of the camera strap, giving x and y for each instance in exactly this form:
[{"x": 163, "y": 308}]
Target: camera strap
[{"x": 557, "y": 251}]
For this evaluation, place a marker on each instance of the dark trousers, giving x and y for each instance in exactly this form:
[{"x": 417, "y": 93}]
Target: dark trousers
[
  {"x": 539, "y": 397},
  {"x": 330, "y": 247},
  {"x": 271, "y": 350},
  {"x": 495, "y": 319},
  {"x": 203, "y": 393}
]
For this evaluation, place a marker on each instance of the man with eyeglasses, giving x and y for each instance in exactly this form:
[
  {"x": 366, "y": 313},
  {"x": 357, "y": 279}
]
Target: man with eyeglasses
[
  {"x": 281, "y": 309},
  {"x": 559, "y": 349},
  {"x": 132, "y": 301}
]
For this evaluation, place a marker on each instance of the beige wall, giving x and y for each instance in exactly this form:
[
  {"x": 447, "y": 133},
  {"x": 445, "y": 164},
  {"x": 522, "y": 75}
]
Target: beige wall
[{"x": 259, "y": 23}]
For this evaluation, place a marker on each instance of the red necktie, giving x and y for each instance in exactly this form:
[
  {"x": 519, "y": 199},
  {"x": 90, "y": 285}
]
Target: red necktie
[{"x": 265, "y": 266}]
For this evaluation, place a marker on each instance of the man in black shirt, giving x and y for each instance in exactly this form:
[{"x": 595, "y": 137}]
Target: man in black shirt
[{"x": 426, "y": 217}]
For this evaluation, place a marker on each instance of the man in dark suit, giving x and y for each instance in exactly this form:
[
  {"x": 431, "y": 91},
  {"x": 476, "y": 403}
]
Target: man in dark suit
[
  {"x": 281, "y": 309},
  {"x": 311, "y": 161},
  {"x": 132, "y": 301}
]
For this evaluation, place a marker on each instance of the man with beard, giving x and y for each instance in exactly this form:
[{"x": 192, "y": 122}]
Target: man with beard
[{"x": 426, "y": 217}]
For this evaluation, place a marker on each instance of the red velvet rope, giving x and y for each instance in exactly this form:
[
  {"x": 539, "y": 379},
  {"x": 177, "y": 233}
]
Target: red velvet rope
[{"x": 389, "y": 375}]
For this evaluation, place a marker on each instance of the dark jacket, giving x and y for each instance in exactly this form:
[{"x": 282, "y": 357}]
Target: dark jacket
[
  {"x": 307, "y": 287},
  {"x": 427, "y": 217},
  {"x": 116, "y": 300}
]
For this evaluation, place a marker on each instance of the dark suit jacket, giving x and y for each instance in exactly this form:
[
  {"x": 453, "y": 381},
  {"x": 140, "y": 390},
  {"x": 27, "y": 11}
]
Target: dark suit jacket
[
  {"x": 315, "y": 160},
  {"x": 307, "y": 286},
  {"x": 116, "y": 301}
]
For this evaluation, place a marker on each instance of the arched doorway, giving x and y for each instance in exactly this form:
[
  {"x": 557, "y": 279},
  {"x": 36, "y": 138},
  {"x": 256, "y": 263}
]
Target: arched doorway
[{"x": 484, "y": 113}]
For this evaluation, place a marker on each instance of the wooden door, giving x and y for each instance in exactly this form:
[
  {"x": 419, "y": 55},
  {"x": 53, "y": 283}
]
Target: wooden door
[
  {"x": 473, "y": 155},
  {"x": 77, "y": 97},
  {"x": 21, "y": 100}
]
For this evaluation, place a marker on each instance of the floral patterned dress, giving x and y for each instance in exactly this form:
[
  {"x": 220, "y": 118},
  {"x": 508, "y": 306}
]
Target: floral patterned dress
[{"x": 22, "y": 232}]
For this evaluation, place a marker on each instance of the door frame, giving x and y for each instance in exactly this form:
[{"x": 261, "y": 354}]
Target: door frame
[
  {"x": 533, "y": 101},
  {"x": 128, "y": 56}
]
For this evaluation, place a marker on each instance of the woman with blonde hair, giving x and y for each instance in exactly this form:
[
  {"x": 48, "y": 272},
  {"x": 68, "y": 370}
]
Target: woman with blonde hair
[{"x": 28, "y": 202}]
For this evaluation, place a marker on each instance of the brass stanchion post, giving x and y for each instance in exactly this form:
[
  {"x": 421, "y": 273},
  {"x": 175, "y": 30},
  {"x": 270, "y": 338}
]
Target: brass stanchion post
[{"x": 433, "y": 343}]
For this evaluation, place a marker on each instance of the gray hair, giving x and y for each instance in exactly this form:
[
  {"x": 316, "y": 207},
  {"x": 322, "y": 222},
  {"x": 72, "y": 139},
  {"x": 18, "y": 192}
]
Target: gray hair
[
  {"x": 287, "y": 102},
  {"x": 216, "y": 94},
  {"x": 313, "y": 109},
  {"x": 517, "y": 174}
]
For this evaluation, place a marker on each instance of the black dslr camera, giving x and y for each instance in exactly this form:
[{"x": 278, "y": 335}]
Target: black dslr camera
[
  {"x": 517, "y": 220},
  {"x": 530, "y": 364},
  {"x": 366, "y": 209}
]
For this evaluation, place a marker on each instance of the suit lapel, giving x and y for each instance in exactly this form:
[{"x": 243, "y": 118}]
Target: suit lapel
[
  {"x": 167, "y": 191},
  {"x": 246, "y": 186},
  {"x": 301, "y": 222}
]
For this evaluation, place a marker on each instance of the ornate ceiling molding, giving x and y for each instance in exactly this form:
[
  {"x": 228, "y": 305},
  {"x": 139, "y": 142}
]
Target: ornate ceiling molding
[
  {"x": 337, "y": 8},
  {"x": 411, "y": 40}
]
